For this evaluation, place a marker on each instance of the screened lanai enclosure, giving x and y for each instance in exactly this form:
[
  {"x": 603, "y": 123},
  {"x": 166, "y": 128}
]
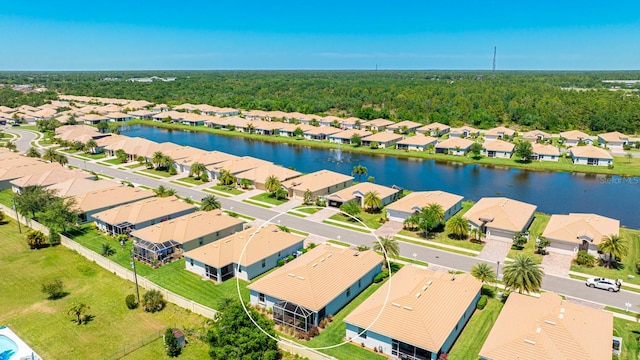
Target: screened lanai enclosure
[
  {"x": 158, "y": 253},
  {"x": 294, "y": 315}
]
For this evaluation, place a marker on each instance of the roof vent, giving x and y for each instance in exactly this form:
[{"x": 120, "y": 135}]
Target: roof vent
[
  {"x": 290, "y": 274},
  {"x": 538, "y": 330},
  {"x": 561, "y": 316},
  {"x": 529, "y": 341},
  {"x": 322, "y": 259},
  {"x": 561, "y": 310},
  {"x": 418, "y": 295},
  {"x": 300, "y": 277},
  {"x": 550, "y": 322},
  {"x": 408, "y": 308},
  {"x": 395, "y": 304},
  {"x": 328, "y": 256},
  {"x": 429, "y": 282},
  {"x": 314, "y": 265},
  {"x": 356, "y": 254},
  {"x": 424, "y": 288}
]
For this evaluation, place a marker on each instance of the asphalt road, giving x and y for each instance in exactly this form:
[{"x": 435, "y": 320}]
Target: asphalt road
[{"x": 565, "y": 286}]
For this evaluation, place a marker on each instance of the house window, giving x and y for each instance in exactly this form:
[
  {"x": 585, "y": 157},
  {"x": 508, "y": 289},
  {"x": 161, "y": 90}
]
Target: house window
[
  {"x": 200, "y": 242},
  {"x": 191, "y": 262},
  {"x": 359, "y": 283},
  {"x": 362, "y": 332},
  {"x": 348, "y": 292},
  {"x": 261, "y": 298},
  {"x": 264, "y": 262},
  {"x": 279, "y": 254}
]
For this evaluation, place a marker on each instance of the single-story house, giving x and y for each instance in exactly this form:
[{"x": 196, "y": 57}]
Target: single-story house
[
  {"x": 136, "y": 215},
  {"x": 497, "y": 149},
  {"x": 15, "y": 168},
  {"x": 118, "y": 117},
  {"x": 96, "y": 201},
  {"x": 383, "y": 139},
  {"x": 500, "y": 218},
  {"x": 548, "y": 327},
  {"x": 418, "y": 142},
  {"x": 255, "y": 115},
  {"x": 289, "y": 129},
  {"x": 267, "y": 127},
  {"x": 235, "y": 166},
  {"x": 168, "y": 240},
  {"x": 499, "y": 132},
  {"x": 259, "y": 175},
  {"x": 358, "y": 191},
  {"x": 319, "y": 183},
  {"x": 614, "y": 140},
  {"x": 226, "y": 111},
  {"x": 54, "y": 176},
  {"x": 344, "y": 137},
  {"x": 161, "y": 108},
  {"x": 190, "y": 119},
  {"x": 414, "y": 202},
  {"x": 142, "y": 114},
  {"x": 422, "y": 318},
  {"x": 590, "y": 155},
  {"x": 330, "y": 121},
  {"x": 44, "y": 114},
  {"x": 208, "y": 159},
  {"x": 579, "y": 231},
  {"x": 575, "y": 137},
  {"x": 404, "y": 127},
  {"x": 77, "y": 186},
  {"x": 463, "y": 132},
  {"x": 536, "y": 136},
  {"x": 171, "y": 115},
  {"x": 261, "y": 249},
  {"x": 321, "y": 132},
  {"x": 434, "y": 129},
  {"x": 315, "y": 285},
  {"x": 183, "y": 157},
  {"x": 377, "y": 124},
  {"x": 352, "y": 123},
  {"x": 93, "y": 119},
  {"x": 454, "y": 146},
  {"x": 544, "y": 152}
]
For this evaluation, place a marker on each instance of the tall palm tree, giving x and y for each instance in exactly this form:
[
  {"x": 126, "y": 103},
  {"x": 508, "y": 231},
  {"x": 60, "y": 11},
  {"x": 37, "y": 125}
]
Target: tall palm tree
[
  {"x": 91, "y": 146},
  {"x": 458, "y": 226},
  {"x": 33, "y": 152},
  {"x": 307, "y": 197},
  {"x": 430, "y": 217},
  {"x": 163, "y": 191},
  {"x": 359, "y": 170},
  {"x": 272, "y": 183},
  {"x": 372, "y": 201},
  {"x": 78, "y": 310},
  {"x": 156, "y": 159},
  {"x": 35, "y": 239},
  {"x": 412, "y": 221},
  {"x": 62, "y": 159},
  {"x": 483, "y": 272},
  {"x": 614, "y": 246},
  {"x": 387, "y": 245},
  {"x": 210, "y": 202},
  {"x": 166, "y": 161},
  {"x": 197, "y": 169},
  {"x": 523, "y": 274},
  {"x": 50, "y": 155},
  {"x": 226, "y": 177}
]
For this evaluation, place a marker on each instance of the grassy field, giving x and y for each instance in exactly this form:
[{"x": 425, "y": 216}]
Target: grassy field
[
  {"x": 154, "y": 172},
  {"x": 45, "y": 325},
  {"x": 267, "y": 198},
  {"x": 92, "y": 156},
  {"x": 628, "y": 261},
  {"x": 307, "y": 210},
  {"x": 536, "y": 229},
  {"x": 227, "y": 189},
  {"x": 191, "y": 180},
  {"x": 371, "y": 220},
  {"x": 115, "y": 161},
  {"x": 622, "y": 166},
  {"x": 6, "y": 197},
  {"x": 470, "y": 341},
  {"x": 629, "y": 332}
]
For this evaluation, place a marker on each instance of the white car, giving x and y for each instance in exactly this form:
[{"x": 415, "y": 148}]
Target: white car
[{"x": 605, "y": 284}]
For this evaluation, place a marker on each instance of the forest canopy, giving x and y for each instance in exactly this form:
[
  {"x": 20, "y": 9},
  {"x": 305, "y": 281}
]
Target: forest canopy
[{"x": 552, "y": 101}]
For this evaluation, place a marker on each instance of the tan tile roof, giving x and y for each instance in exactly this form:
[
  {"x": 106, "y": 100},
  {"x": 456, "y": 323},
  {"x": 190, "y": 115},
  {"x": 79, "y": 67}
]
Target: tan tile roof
[
  {"x": 54, "y": 176},
  {"x": 117, "y": 115},
  {"x": 362, "y": 188},
  {"x": 144, "y": 210},
  {"x": 317, "y": 277},
  {"x": 351, "y": 121},
  {"x": 550, "y": 328},
  {"x": 533, "y": 134},
  {"x": 110, "y": 196},
  {"x": 108, "y": 140},
  {"x": 80, "y": 133},
  {"x": 45, "y": 113},
  {"x": 570, "y": 227},
  {"x": 267, "y": 125},
  {"x": 501, "y": 213},
  {"x": 264, "y": 243},
  {"x": 419, "y": 199},
  {"x": 261, "y": 173},
  {"x": 614, "y": 136},
  {"x": 418, "y": 140},
  {"x": 452, "y": 143},
  {"x": 325, "y": 130},
  {"x": 407, "y": 123},
  {"x": 188, "y": 227},
  {"x": 17, "y": 168},
  {"x": 238, "y": 165},
  {"x": 134, "y": 146},
  {"x": 378, "y": 123},
  {"x": 423, "y": 308},
  {"x": 181, "y": 153},
  {"x": 291, "y": 127},
  {"x": 543, "y": 149},
  {"x": 434, "y": 126},
  {"x": 383, "y": 137},
  {"x": 498, "y": 145},
  {"x": 77, "y": 186},
  {"x": 347, "y": 134},
  {"x": 212, "y": 157},
  {"x": 463, "y": 128},
  {"x": 93, "y": 117},
  {"x": 316, "y": 181},
  {"x": 574, "y": 135},
  {"x": 174, "y": 115},
  {"x": 500, "y": 130},
  {"x": 64, "y": 129},
  {"x": 590, "y": 151}
]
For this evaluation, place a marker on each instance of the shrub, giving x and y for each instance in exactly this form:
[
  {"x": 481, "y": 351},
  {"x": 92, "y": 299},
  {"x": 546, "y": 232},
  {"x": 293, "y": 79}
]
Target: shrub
[
  {"x": 638, "y": 266},
  {"x": 153, "y": 301},
  {"x": 381, "y": 276},
  {"x": 107, "y": 250},
  {"x": 290, "y": 257},
  {"x": 313, "y": 332},
  {"x": 53, "y": 288},
  {"x": 585, "y": 259},
  {"x": 324, "y": 323},
  {"x": 482, "y": 302},
  {"x": 131, "y": 302},
  {"x": 280, "y": 262},
  {"x": 54, "y": 238},
  {"x": 172, "y": 170},
  {"x": 311, "y": 245},
  {"x": 303, "y": 250},
  {"x": 171, "y": 343}
]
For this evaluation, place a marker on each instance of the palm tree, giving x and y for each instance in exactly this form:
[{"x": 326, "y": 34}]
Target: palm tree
[
  {"x": 272, "y": 183},
  {"x": 387, "y": 245},
  {"x": 352, "y": 208},
  {"x": 91, "y": 146},
  {"x": 372, "y": 201},
  {"x": 307, "y": 197},
  {"x": 412, "y": 221},
  {"x": 33, "y": 152},
  {"x": 35, "y": 239},
  {"x": 476, "y": 234},
  {"x": 523, "y": 274},
  {"x": 197, "y": 169},
  {"x": 166, "y": 161},
  {"x": 614, "y": 246},
  {"x": 359, "y": 170},
  {"x": 458, "y": 226},
  {"x": 483, "y": 272},
  {"x": 157, "y": 158},
  {"x": 79, "y": 311},
  {"x": 281, "y": 194},
  {"x": 62, "y": 159},
  {"x": 50, "y": 155},
  {"x": 226, "y": 177},
  {"x": 210, "y": 202},
  {"x": 430, "y": 217},
  {"x": 163, "y": 191}
]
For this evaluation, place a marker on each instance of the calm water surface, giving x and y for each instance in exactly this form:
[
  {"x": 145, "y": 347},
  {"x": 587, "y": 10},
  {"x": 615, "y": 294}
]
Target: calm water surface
[{"x": 553, "y": 192}]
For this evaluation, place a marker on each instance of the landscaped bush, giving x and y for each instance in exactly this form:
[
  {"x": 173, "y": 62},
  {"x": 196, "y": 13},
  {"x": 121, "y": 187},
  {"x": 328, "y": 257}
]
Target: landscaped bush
[
  {"x": 303, "y": 250},
  {"x": 290, "y": 258},
  {"x": 638, "y": 267},
  {"x": 323, "y": 323},
  {"x": 482, "y": 302},
  {"x": 311, "y": 246},
  {"x": 280, "y": 262},
  {"x": 107, "y": 250},
  {"x": 53, "y": 288},
  {"x": 131, "y": 302},
  {"x": 313, "y": 332},
  {"x": 381, "y": 276},
  {"x": 54, "y": 238},
  {"x": 153, "y": 301},
  {"x": 585, "y": 259},
  {"x": 172, "y": 171}
]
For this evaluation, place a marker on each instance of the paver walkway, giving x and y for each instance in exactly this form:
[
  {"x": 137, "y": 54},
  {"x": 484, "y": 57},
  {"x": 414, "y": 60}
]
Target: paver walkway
[
  {"x": 495, "y": 250},
  {"x": 322, "y": 215},
  {"x": 287, "y": 206},
  {"x": 558, "y": 264},
  {"x": 390, "y": 228}
]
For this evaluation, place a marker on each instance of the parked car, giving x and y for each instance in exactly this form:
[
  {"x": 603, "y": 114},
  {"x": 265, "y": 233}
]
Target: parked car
[{"x": 605, "y": 284}]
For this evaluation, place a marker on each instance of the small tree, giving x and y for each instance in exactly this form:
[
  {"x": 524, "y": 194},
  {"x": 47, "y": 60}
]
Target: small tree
[
  {"x": 171, "y": 343},
  {"x": 541, "y": 245},
  {"x": 356, "y": 140},
  {"x": 131, "y": 302},
  {"x": 35, "y": 239},
  {"x": 523, "y": 150},
  {"x": 153, "y": 301},
  {"x": 308, "y": 197},
  {"x": 54, "y": 289},
  {"x": 210, "y": 202},
  {"x": 458, "y": 226},
  {"x": 374, "y": 145},
  {"x": 33, "y": 152},
  {"x": 359, "y": 170},
  {"x": 107, "y": 250},
  {"x": 281, "y": 194},
  {"x": 519, "y": 240},
  {"x": 352, "y": 208},
  {"x": 79, "y": 310},
  {"x": 483, "y": 272},
  {"x": 122, "y": 156},
  {"x": 475, "y": 149}
]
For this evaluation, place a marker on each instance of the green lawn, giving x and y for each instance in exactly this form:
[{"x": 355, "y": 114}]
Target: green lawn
[
  {"x": 339, "y": 243},
  {"x": 629, "y": 332},
  {"x": 307, "y": 210},
  {"x": 133, "y": 166},
  {"x": 227, "y": 189},
  {"x": 92, "y": 156},
  {"x": 192, "y": 180},
  {"x": 470, "y": 341},
  {"x": 371, "y": 220},
  {"x": 115, "y": 161},
  {"x": 628, "y": 261},
  {"x": 6, "y": 197},
  {"x": 267, "y": 198},
  {"x": 536, "y": 229},
  {"x": 45, "y": 325},
  {"x": 154, "y": 172},
  {"x": 346, "y": 225}
]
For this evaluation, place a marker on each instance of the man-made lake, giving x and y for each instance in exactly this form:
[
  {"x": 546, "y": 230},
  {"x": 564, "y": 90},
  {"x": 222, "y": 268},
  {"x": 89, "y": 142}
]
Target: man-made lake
[{"x": 553, "y": 192}]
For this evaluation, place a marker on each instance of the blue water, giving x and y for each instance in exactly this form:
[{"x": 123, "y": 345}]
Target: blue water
[
  {"x": 552, "y": 192},
  {"x": 7, "y": 348}
]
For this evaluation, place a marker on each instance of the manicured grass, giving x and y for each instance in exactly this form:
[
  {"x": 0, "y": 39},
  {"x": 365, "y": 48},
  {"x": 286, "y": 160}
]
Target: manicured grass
[
  {"x": 227, "y": 189},
  {"x": 180, "y": 183},
  {"x": 622, "y": 166},
  {"x": 154, "y": 172},
  {"x": 6, "y": 197},
  {"x": 133, "y": 166},
  {"x": 307, "y": 210},
  {"x": 249, "y": 201},
  {"x": 628, "y": 266},
  {"x": 340, "y": 243},
  {"x": 191, "y": 180},
  {"x": 434, "y": 245},
  {"x": 371, "y": 220},
  {"x": 92, "y": 156},
  {"x": 536, "y": 229},
  {"x": 115, "y": 161},
  {"x": 622, "y": 311},
  {"x": 345, "y": 225},
  {"x": 629, "y": 332},
  {"x": 45, "y": 325},
  {"x": 267, "y": 198},
  {"x": 470, "y": 341},
  {"x": 104, "y": 163}
]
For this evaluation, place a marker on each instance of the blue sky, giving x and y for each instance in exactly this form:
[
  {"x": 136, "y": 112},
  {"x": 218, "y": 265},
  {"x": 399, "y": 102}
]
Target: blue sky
[{"x": 128, "y": 35}]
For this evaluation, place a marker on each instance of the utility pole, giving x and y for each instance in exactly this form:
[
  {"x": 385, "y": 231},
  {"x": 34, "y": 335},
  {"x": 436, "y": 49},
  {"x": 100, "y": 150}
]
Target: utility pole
[
  {"x": 497, "y": 275},
  {"x": 493, "y": 74},
  {"x": 135, "y": 274},
  {"x": 15, "y": 208}
]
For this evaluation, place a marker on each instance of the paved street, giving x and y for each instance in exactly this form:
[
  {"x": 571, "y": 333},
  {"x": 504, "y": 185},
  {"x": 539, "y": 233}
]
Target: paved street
[{"x": 561, "y": 285}]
